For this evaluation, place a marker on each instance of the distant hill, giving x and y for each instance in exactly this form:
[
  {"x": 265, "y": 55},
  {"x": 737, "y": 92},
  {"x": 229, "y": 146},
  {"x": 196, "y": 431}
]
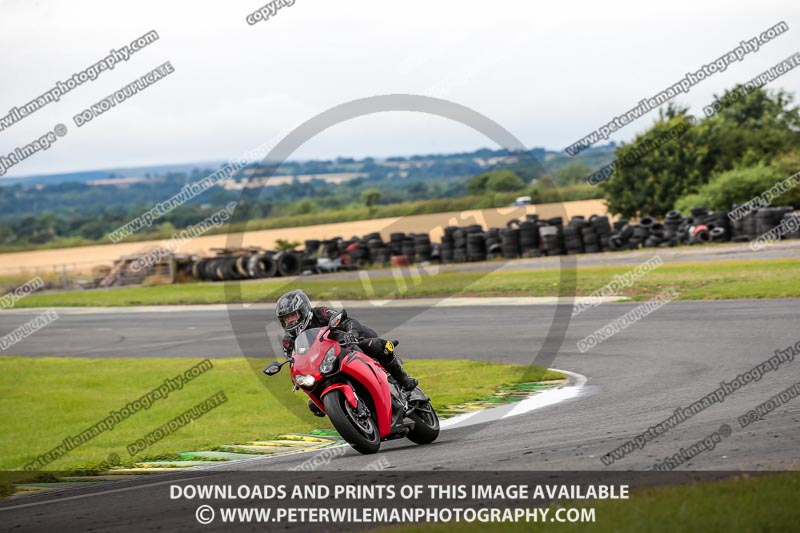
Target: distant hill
[
  {"x": 93, "y": 175},
  {"x": 419, "y": 166}
]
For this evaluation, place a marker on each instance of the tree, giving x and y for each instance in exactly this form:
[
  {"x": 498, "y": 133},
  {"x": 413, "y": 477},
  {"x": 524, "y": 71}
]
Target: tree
[
  {"x": 495, "y": 181},
  {"x": 371, "y": 197},
  {"x": 504, "y": 181},
  {"x": 93, "y": 230},
  {"x": 571, "y": 173},
  {"x": 477, "y": 184},
  {"x": 302, "y": 207},
  {"x": 732, "y": 187},
  {"x": 660, "y": 175},
  {"x": 755, "y": 129},
  {"x": 740, "y": 185},
  {"x": 418, "y": 190},
  {"x": 788, "y": 164},
  {"x": 284, "y": 246}
]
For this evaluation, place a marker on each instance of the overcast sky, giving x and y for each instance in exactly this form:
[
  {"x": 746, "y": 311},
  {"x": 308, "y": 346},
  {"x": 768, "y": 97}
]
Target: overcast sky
[{"x": 550, "y": 72}]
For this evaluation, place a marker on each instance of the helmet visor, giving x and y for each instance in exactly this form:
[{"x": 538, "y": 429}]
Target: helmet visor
[
  {"x": 293, "y": 321},
  {"x": 290, "y": 320}
]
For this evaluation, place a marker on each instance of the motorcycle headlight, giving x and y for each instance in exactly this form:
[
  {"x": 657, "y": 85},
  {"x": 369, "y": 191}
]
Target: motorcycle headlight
[
  {"x": 328, "y": 362},
  {"x": 307, "y": 382}
]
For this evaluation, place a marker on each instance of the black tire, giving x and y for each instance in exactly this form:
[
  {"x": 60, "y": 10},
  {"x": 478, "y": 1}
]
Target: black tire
[
  {"x": 616, "y": 243},
  {"x": 198, "y": 269},
  {"x": 230, "y": 272},
  {"x": 407, "y": 247},
  {"x": 593, "y": 249},
  {"x": 426, "y": 426},
  {"x": 718, "y": 234},
  {"x": 211, "y": 269},
  {"x": 652, "y": 242},
  {"x": 626, "y": 232},
  {"x": 262, "y": 266},
  {"x": 641, "y": 232},
  {"x": 601, "y": 225},
  {"x": 364, "y": 438},
  {"x": 701, "y": 237},
  {"x": 332, "y": 248},
  {"x": 288, "y": 264},
  {"x": 241, "y": 265},
  {"x": 312, "y": 247}
]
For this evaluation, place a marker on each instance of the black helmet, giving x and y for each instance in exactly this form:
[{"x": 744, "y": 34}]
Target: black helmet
[{"x": 291, "y": 303}]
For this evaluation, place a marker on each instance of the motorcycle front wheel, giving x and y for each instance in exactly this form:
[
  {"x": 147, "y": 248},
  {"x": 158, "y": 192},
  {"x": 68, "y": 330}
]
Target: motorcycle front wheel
[{"x": 359, "y": 430}]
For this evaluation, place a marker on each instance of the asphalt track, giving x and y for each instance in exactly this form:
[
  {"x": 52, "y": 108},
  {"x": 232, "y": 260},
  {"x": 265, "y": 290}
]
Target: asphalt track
[{"x": 636, "y": 378}]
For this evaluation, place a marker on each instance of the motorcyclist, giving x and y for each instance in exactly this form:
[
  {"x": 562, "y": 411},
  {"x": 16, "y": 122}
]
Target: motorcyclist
[{"x": 295, "y": 314}]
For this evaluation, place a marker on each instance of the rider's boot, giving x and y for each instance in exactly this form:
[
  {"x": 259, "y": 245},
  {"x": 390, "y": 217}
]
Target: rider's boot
[
  {"x": 395, "y": 368},
  {"x": 314, "y": 409}
]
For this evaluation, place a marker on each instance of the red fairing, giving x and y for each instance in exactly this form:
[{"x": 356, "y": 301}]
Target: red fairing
[
  {"x": 367, "y": 372},
  {"x": 357, "y": 366},
  {"x": 348, "y": 391},
  {"x": 309, "y": 362}
]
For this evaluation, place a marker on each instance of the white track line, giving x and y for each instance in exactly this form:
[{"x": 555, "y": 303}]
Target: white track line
[
  {"x": 537, "y": 401},
  {"x": 549, "y": 397}
]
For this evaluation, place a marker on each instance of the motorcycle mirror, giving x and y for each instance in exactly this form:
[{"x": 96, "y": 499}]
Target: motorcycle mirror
[
  {"x": 337, "y": 319},
  {"x": 273, "y": 368}
]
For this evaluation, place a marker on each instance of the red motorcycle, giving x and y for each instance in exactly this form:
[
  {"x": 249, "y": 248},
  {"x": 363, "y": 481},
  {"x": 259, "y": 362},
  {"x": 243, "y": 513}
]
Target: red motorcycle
[{"x": 364, "y": 403}]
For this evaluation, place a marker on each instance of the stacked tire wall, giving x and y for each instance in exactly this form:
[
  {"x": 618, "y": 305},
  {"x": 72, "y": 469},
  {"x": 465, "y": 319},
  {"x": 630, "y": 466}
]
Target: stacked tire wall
[
  {"x": 247, "y": 266},
  {"x": 530, "y": 237}
]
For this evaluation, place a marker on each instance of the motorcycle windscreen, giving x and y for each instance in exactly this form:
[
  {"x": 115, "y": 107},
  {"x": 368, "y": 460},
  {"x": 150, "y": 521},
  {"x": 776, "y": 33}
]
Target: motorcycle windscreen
[{"x": 307, "y": 356}]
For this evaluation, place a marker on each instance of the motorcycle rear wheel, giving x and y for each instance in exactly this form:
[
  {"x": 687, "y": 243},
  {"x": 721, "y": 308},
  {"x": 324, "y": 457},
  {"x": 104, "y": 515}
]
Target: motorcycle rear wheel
[
  {"x": 426, "y": 425},
  {"x": 359, "y": 432}
]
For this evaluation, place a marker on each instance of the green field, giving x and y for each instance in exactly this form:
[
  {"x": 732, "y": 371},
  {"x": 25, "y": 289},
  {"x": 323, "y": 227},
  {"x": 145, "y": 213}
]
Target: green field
[
  {"x": 778, "y": 278},
  {"x": 45, "y": 400},
  {"x": 765, "y": 503}
]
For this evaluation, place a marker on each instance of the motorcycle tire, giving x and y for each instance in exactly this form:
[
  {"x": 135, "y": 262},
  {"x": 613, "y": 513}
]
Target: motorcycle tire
[
  {"x": 364, "y": 437},
  {"x": 426, "y": 426}
]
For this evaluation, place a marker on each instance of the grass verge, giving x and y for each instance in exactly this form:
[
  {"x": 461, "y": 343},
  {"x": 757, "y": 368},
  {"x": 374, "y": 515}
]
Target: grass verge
[
  {"x": 45, "y": 400},
  {"x": 772, "y": 278},
  {"x": 763, "y": 503}
]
